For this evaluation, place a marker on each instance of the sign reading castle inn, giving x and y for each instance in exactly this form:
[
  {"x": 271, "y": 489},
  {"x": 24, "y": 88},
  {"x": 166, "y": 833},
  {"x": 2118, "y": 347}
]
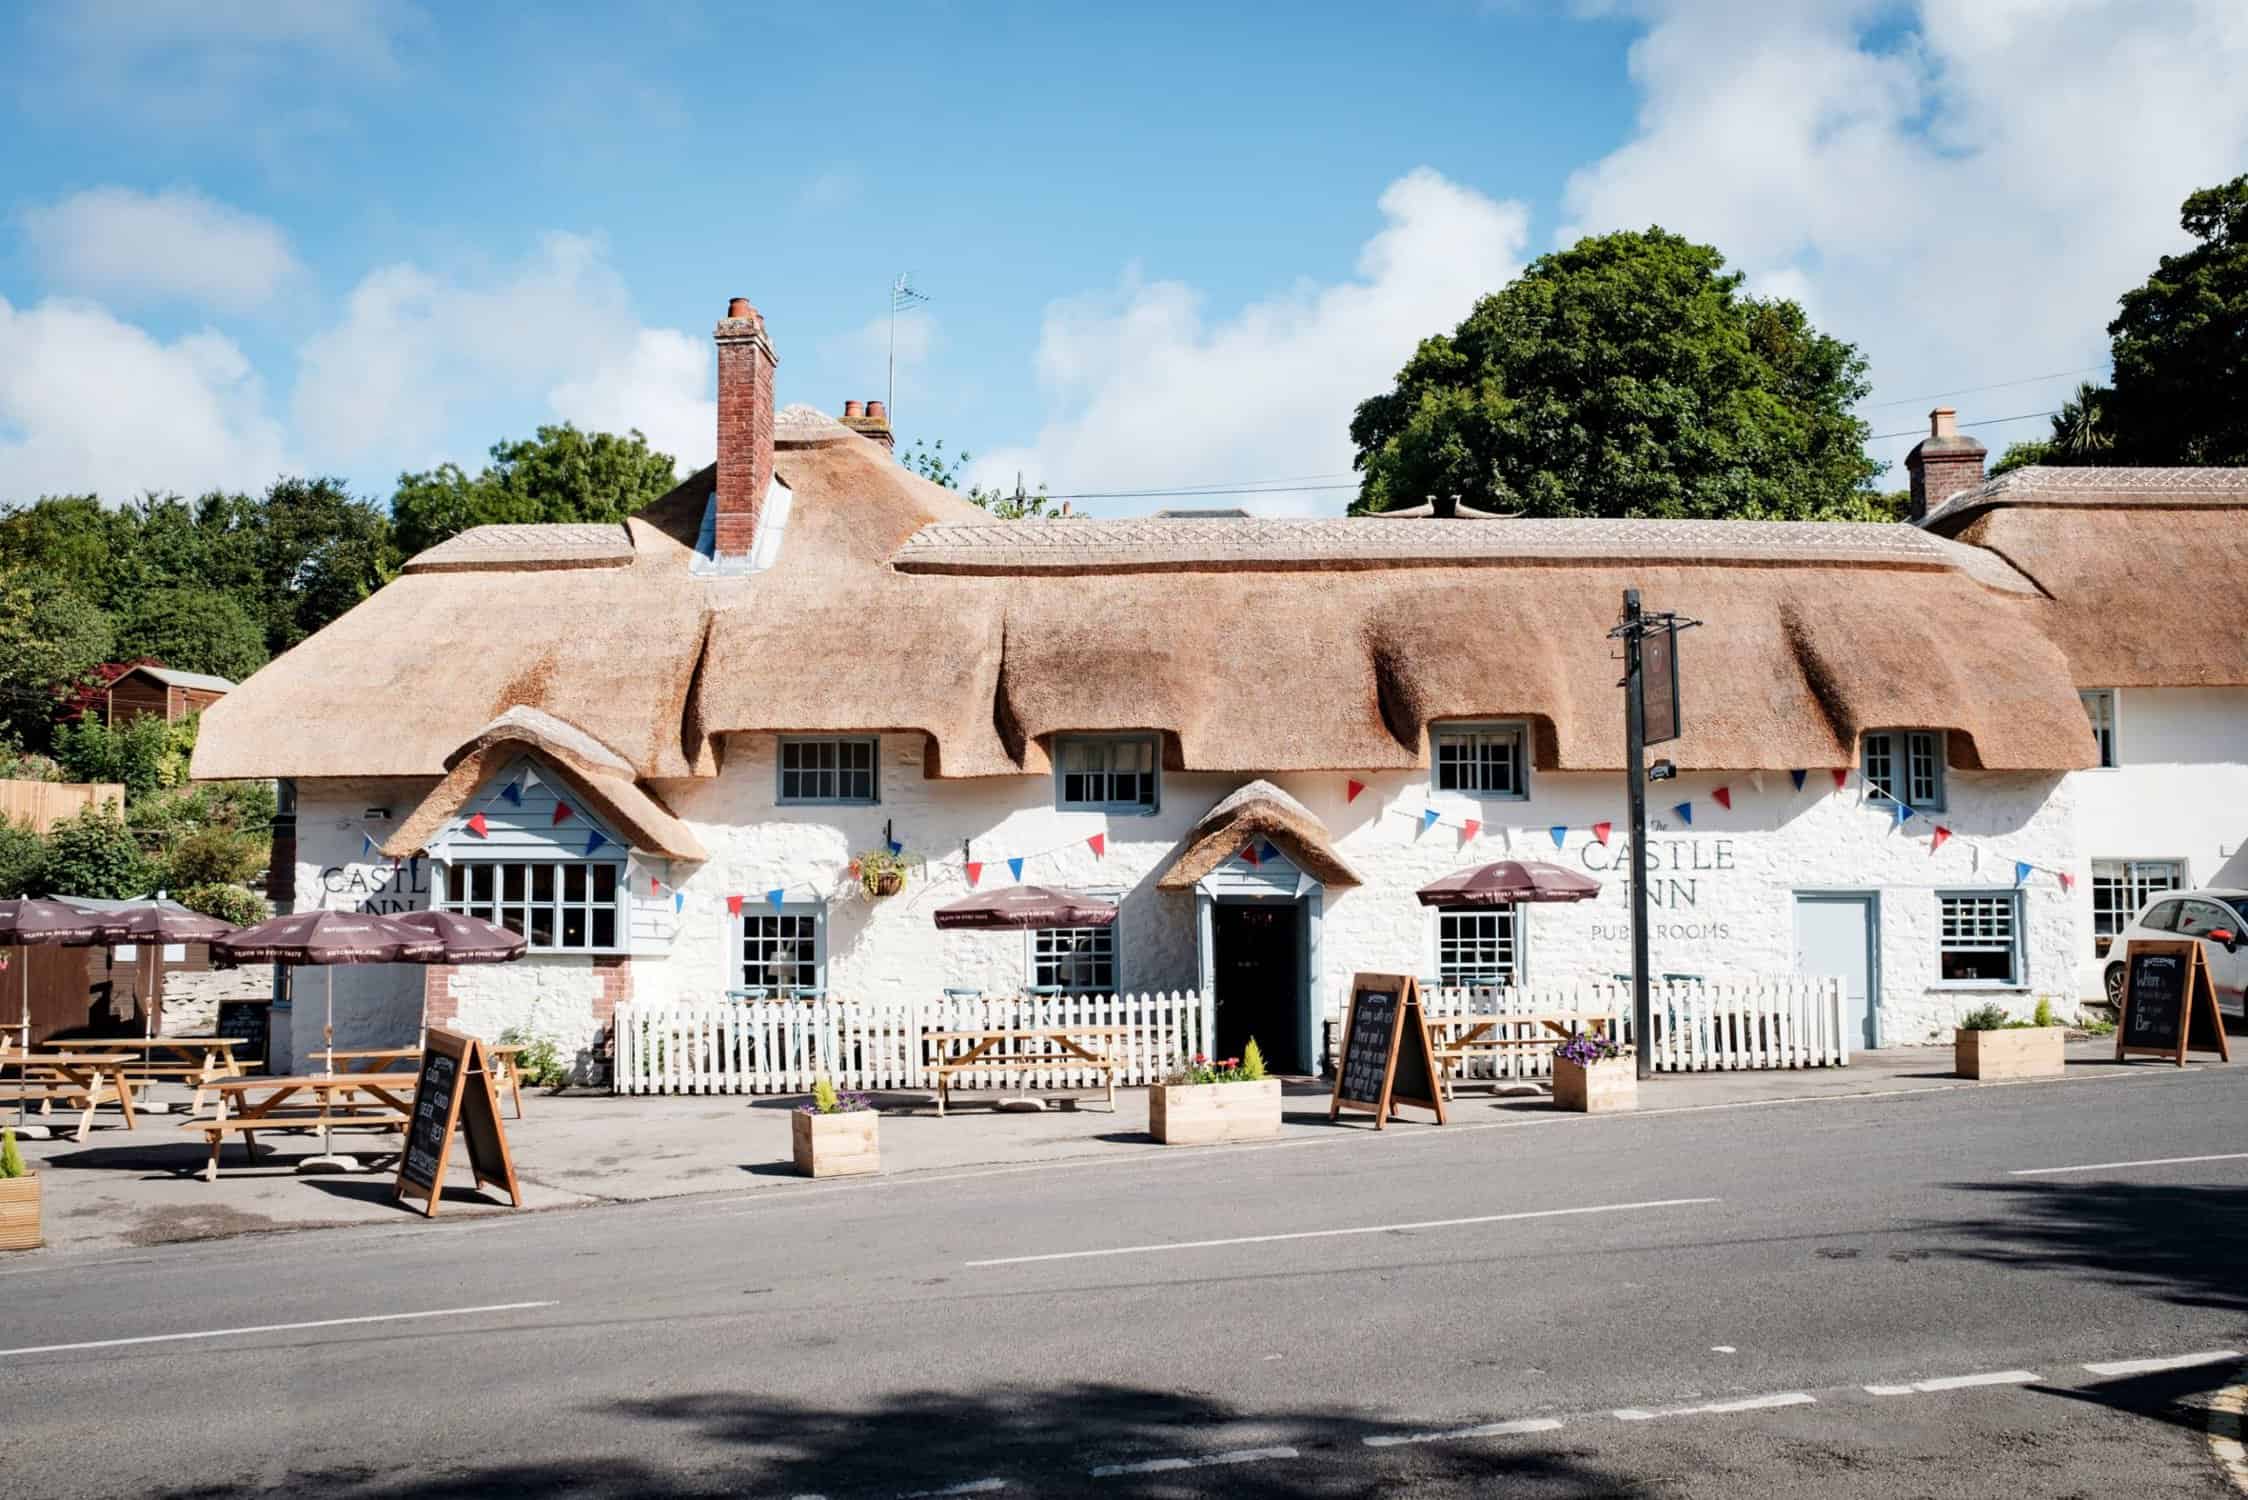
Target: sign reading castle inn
[{"x": 656, "y": 747}]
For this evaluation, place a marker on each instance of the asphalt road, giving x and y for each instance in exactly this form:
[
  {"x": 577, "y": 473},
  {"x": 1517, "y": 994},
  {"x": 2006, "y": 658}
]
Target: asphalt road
[{"x": 1684, "y": 1304}]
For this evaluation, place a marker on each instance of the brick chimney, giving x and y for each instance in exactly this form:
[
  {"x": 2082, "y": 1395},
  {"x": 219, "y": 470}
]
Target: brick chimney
[
  {"x": 745, "y": 426},
  {"x": 871, "y": 421},
  {"x": 1943, "y": 463}
]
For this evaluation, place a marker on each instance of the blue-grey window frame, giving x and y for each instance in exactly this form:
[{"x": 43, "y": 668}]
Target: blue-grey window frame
[
  {"x": 2018, "y": 900},
  {"x": 873, "y": 742},
  {"x": 1518, "y": 728},
  {"x": 1900, "y": 766},
  {"x": 1149, "y": 738},
  {"x": 761, "y": 910}
]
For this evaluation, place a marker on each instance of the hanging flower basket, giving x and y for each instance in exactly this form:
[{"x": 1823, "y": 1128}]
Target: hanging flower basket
[{"x": 879, "y": 872}]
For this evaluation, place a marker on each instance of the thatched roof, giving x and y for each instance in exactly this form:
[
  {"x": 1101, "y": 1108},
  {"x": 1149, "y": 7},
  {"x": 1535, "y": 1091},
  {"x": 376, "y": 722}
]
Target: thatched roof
[
  {"x": 1248, "y": 645},
  {"x": 2144, "y": 568},
  {"x": 1256, "y": 811}
]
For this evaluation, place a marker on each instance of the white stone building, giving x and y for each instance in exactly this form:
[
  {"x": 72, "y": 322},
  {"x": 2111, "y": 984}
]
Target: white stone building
[{"x": 657, "y": 748}]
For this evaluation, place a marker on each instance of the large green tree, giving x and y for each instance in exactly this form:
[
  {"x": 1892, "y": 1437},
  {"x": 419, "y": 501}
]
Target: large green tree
[
  {"x": 2180, "y": 344},
  {"x": 1628, "y": 375},
  {"x": 51, "y": 639},
  {"x": 560, "y": 475},
  {"x": 193, "y": 629}
]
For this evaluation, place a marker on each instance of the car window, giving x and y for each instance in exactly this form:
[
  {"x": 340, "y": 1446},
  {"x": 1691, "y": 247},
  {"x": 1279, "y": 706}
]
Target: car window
[
  {"x": 2163, "y": 918},
  {"x": 2200, "y": 918}
]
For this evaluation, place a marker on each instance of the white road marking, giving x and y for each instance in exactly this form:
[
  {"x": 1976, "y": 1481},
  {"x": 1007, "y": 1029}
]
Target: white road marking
[
  {"x": 1321, "y": 1234},
  {"x": 2117, "y": 1166},
  {"x": 2172, "y": 1362},
  {"x": 1748, "y": 1403},
  {"x": 1203, "y": 1461},
  {"x": 223, "y": 1333},
  {"x": 969, "y": 1487},
  {"x": 1723, "y": 1349},
  {"x": 1957, "y": 1382},
  {"x": 1487, "y": 1429}
]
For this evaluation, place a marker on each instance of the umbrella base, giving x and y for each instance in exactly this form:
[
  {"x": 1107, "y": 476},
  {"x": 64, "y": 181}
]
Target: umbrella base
[{"x": 325, "y": 1163}]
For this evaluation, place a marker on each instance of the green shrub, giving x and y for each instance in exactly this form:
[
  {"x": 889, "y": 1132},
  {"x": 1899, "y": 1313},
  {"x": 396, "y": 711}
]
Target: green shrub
[
  {"x": 1984, "y": 1018},
  {"x": 229, "y": 903},
  {"x": 823, "y": 1095},
  {"x": 2043, "y": 1016},
  {"x": 216, "y": 856},
  {"x": 2096, "y": 1026},
  {"x": 540, "y": 1062},
  {"x": 1252, "y": 1062},
  {"x": 95, "y": 854},
  {"x": 23, "y": 858},
  {"x": 144, "y": 754},
  {"x": 11, "y": 1160}
]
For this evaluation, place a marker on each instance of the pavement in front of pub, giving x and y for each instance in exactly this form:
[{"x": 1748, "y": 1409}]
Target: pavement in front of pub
[{"x": 1908, "y": 1289}]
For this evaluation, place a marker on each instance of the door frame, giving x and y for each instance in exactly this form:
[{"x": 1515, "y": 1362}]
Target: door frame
[
  {"x": 1311, "y": 904},
  {"x": 1870, "y": 899}
]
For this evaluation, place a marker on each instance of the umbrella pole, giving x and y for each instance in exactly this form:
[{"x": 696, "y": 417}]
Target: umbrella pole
[
  {"x": 23, "y": 1040},
  {"x": 327, "y": 1160}
]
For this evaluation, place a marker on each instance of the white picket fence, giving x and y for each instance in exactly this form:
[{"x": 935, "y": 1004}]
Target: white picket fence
[
  {"x": 779, "y": 1047},
  {"x": 1698, "y": 1027}
]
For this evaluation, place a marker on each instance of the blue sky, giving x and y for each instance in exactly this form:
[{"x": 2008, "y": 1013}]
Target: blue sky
[{"x": 1164, "y": 245}]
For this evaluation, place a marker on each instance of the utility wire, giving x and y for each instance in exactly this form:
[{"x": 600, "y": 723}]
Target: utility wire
[
  {"x": 1969, "y": 390},
  {"x": 1986, "y": 422}
]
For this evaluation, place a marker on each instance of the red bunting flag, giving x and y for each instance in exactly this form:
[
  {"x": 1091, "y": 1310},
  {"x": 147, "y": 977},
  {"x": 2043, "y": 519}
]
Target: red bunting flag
[
  {"x": 476, "y": 825},
  {"x": 975, "y": 871},
  {"x": 561, "y": 811},
  {"x": 2068, "y": 881},
  {"x": 1469, "y": 828},
  {"x": 1353, "y": 788},
  {"x": 733, "y": 906},
  {"x": 1098, "y": 843},
  {"x": 1600, "y": 831},
  {"x": 655, "y": 886},
  {"x": 1937, "y": 840},
  {"x": 1841, "y": 778},
  {"x": 1724, "y": 796},
  {"x": 1249, "y": 853}
]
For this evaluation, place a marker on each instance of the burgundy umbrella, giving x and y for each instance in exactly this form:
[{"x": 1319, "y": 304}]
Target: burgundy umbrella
[
  {"x": 1022, "y": 906},
  {"x": 1507, "y": 881},
  {"x": 467, "y": 940},
  {"x": 27, "y": 921},
  {"x": 153, "y": 923}
]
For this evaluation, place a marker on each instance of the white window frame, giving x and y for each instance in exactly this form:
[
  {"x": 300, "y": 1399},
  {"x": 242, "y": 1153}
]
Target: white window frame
[
  {"x": 1065, "y": 743},
  {"x": 1468, "y": 738},
  {"x": 2099, "y": 709},
  {"x": 2018, "y": 960},
  {"x": 1923, "y": 752},
  {"x": 497, "y": 908},
  {"x": 1514, "y": 938},
  {"x": 1111, "y": 936},
  {"x": 2139, "y": 879},
  {"x": 802, "y": 742},
  {"x": 757, "y": 913}
]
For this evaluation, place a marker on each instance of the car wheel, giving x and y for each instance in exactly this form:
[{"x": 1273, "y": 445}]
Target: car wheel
[{"x": 2115, "y": 987}]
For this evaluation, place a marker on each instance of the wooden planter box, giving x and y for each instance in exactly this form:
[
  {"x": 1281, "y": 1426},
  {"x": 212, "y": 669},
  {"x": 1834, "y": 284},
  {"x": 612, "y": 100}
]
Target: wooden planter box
[
  {"x": 839, "y": 1145},
  {"x": 1596, "y": 1088},
  {"x": 1196, "y": 1114},
  {"x": 19, "y": 1212},
  {"x": 2016, "y": 1052}
]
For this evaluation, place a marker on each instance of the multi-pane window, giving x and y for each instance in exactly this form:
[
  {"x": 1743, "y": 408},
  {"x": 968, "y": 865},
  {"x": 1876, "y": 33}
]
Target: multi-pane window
[
  {"x": 1080, "y": 960},
  {"x": 829, "y": 770},
  {"x": 1485, "y": 759},
  {"x": 1979, "y": 937},
  {"x": 2121, "y": 888},
  {"x": 1106, "y": 773},
  {"x": 2099, "y": 707},
  {"x": 782, "y": 951},
  {"x": 1908, "y": 766},
  {"x": 1478, "y": 945},
  {"x": 559, "y": 906}
]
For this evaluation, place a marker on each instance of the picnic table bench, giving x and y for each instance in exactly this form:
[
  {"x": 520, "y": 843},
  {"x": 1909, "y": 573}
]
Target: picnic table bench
[
  {"x": 1481, "y": 1036},
  {"x": 185, "y": 1058},
  {"x": 82, "y": 1081},
  {"x": 335, "y": 1100},
  {"x": 1055, "y": 1047},
  {"x": 379, "y": 1059}
]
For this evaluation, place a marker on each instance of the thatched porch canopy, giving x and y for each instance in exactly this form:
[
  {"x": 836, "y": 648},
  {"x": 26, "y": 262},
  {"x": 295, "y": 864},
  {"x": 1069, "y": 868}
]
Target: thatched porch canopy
[{"x": 1253, "y": 813}]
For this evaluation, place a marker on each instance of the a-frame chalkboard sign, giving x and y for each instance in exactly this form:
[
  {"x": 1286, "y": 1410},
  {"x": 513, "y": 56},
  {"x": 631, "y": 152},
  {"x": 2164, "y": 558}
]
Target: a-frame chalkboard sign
[
  {"x": 454, "y": 1092},
  {"x": 1386, "y": 1058},
  {"x": 2169, "y": 1003}
]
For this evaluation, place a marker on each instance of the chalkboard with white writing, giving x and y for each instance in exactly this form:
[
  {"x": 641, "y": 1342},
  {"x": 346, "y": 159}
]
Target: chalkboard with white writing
[
  {"x": 249, "y": 1024},
  {"x": 1367, "y": 1046},
  {"x": 454, "y": 1092},
  {"x": 2169, "y": 1003},
  {"x": 1386, "y": 1060}
]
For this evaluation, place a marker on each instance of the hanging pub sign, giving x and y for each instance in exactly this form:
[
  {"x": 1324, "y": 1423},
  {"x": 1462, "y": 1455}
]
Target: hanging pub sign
[
  {"x": 454, "y": 1092},
  {"x": 2169, "y": 1003},
  {"x": 1386, "y": 1059},
  {"x": 1658, "y": 679}
]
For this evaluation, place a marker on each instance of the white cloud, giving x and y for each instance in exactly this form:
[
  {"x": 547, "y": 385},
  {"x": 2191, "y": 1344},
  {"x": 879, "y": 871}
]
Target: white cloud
[
  {"x": 135, "y": 247},
  {"x": 1154, "y": 393},
  {"x": 1963, "y": 199},
  {"x": 862, "y": 356},
  {"x": 91, "y": 403}
]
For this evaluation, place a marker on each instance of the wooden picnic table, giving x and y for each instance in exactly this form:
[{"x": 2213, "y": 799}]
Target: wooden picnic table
[
  {"x": 1057, "y": 1047},
  {"x": 377, "y": 1059},
  {"x": 1479, "y": 1036},
  {"x": 367, "y": 1101},
  {"x": 78, "y": 1080},
  {"x": 186, "y": 1058}
]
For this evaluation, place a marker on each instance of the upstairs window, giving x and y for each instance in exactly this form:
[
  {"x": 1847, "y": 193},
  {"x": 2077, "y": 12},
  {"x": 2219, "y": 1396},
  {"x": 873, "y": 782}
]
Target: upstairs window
[
  {"x": 1483, "y": 760},
  {"x": 830, "y": 769},
  {"x": 1111, "y": 773},
  {"x": 1907, "y": 765},
  {"x": 2099, "y": 707}
]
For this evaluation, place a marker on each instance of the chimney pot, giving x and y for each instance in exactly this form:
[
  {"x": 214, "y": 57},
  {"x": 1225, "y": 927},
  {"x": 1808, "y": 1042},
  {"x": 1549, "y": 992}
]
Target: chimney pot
[
  {"x": 1943, "y": 422},
  {"x": 877, "y": 412},
  {"x": 739, "y": 308},
  {"x": 853, "y": 409}
]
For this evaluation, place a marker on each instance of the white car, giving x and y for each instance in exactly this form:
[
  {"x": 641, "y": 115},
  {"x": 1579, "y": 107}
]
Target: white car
[{"x": 2217, "y": 919}]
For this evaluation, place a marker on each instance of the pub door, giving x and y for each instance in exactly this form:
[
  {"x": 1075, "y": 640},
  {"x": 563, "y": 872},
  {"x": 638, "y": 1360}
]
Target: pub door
[{"x": 1259, "y": 989}]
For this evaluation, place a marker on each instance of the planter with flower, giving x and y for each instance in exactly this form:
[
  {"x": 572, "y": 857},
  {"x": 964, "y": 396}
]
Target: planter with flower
[
  {"x": 19, "y": 1199},
  {"x": 1989, "y": 1046},
  {"x": 1230, "y": 1099},
  {"x": 1593, "y": 1075},
  {"x": 836, "y": 1134},
  {"x": 879, "y": 872}
]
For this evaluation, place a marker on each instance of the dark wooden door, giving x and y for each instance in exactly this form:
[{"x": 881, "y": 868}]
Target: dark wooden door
[{"x": 1259, "y": 985}]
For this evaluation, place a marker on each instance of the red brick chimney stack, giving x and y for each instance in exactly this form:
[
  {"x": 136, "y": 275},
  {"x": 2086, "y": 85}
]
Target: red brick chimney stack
[
  {"x": 745, "y": 426},
  {"x": 1943, "y": 463}
]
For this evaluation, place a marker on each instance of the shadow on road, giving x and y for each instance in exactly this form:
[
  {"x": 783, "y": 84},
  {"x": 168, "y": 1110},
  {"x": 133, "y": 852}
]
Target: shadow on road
[
  {"x": 1044, "y": 1441},
  {"x": 2183, "y": 1244}
]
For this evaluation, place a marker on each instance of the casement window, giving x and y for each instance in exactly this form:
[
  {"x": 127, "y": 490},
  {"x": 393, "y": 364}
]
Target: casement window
[
  {"x": 2121, "y": 888},
  {"x": 1907, "y": 765},
  {"x": 1111, "y": 773},
  {"x": 2099, "y": 707},
  {"x": 830, "y": 769},
  {"x": 1075, "y": 960},
  {"x": 782, "y": 950},
  {"x": 558, "y": 905},
  {"x": 1484, "y": 760},
  {"x": 1979, "y": 938},
  {"x": 1479, "y": 945}
]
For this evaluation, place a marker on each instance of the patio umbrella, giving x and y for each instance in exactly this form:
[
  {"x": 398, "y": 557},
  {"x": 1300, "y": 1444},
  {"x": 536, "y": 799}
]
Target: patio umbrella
[
  {"x": 154, "y": 923},
  {"x": 1507, "y": 881},
  {"x": 467, "y": 940},
  {"x": 1024, "y": 906},
  {"x": 28, "y": 921}
]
